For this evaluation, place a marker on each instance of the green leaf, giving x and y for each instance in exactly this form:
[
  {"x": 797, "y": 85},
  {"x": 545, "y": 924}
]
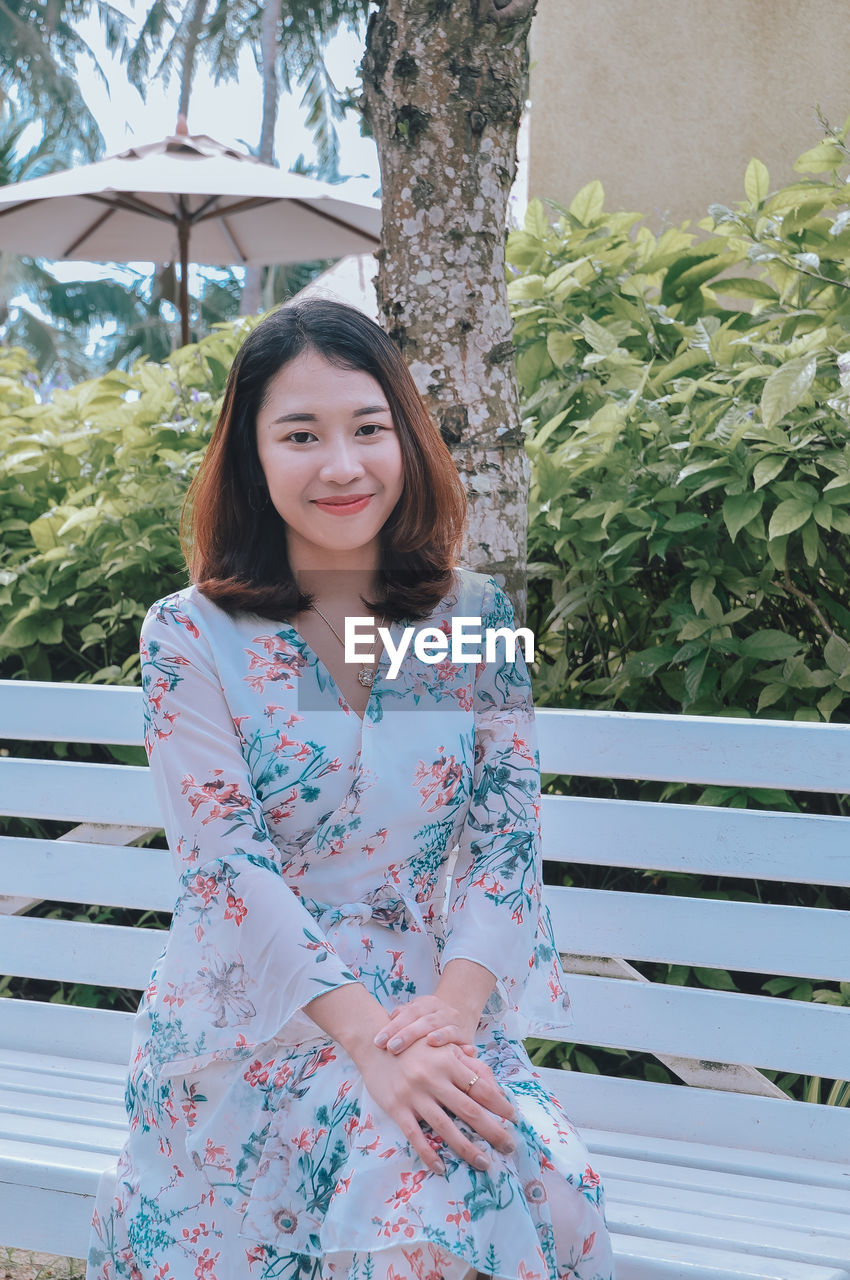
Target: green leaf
[
  {"x": 589, "y": 203},
  {"x": 767, "y": 469},
  {"x": 744, "y": 287},
  {"x": 771, "y": 693},
  {"x": 837, "y": 655},
  {"x": 561, "y": 347},
  {"x": 536, "y": 221},
  {"x": 788, "y": 516},
  {"x": 718, "y": 979},
  {"x": 823, "y": 158},
  {"x": 785, "y": 388},
  {"x": 684, "y": 521},
  {"x": 756, "y": 182},
  {"x": 739, "y": 510},
  {"x": 770, "y": 644},
  {"x": 701, "y": 592}
]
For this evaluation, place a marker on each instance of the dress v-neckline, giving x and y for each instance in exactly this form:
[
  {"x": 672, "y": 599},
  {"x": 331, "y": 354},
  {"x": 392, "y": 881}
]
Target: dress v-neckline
[{"x": 320, "y": 664}]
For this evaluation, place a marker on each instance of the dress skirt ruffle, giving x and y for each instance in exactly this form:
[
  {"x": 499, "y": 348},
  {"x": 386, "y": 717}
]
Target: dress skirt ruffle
[{"x": 330, "y": 1188}]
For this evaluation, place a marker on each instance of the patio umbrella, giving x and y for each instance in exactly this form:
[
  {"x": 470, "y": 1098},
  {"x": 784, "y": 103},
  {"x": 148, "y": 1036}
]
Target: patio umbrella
[{"x": 187, "y": 196}]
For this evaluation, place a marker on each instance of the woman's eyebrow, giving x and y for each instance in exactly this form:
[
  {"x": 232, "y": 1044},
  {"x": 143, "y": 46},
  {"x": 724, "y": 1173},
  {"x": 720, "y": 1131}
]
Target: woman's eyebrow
[{"x": 311, "y": 417}]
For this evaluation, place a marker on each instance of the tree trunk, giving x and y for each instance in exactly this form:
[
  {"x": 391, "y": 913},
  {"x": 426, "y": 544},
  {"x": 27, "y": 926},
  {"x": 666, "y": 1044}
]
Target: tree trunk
[
  {"x": 187, "y": 70},
  {"x": 250, "y": 300},
  {"x": 443, "y": 89}
]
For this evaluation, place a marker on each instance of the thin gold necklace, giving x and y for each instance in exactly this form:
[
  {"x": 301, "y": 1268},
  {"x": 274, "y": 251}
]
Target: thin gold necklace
[{"x": 365, "y": 675}]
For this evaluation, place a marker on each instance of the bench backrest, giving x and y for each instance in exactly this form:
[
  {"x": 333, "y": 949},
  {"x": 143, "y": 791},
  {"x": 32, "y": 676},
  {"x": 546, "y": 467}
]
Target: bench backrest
[{"x": 692, "y": 1029}]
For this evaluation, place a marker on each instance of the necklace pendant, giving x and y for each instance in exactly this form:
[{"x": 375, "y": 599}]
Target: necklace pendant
[{"x": 366, "y": 677}]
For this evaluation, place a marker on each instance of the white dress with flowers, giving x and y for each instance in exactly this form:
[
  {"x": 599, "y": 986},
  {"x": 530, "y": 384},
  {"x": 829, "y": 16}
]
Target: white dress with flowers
[{"x": 313, "y": 850}]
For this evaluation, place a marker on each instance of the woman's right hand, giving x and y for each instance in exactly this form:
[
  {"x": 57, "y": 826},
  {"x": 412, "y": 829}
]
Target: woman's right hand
[{"x": 429, "y": 1083}]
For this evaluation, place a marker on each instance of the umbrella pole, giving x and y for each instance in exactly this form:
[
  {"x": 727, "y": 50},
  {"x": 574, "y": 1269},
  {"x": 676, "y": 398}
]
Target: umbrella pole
[{"x": 183, "y": 242}]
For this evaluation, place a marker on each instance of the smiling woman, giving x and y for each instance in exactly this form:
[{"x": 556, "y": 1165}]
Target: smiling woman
[{"x": 328, "y": 1080}]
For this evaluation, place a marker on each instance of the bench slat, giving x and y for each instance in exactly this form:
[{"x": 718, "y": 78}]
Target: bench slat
[
  {"x": 642, "y": 1258},
  {"x": 66, "y": 1034},
  {"x": 655, "y": 836},
  {"x": 806, "y": 942},
  {"x": 34, "y": 711},
  {"x": 723, "y": 751},
  {"x": 71, "y": 791},
  {"x": 90, "y": 874},
  {"x": 661, "y": 1177},
  {"x": 795, "y": 1140},
  {"x": 796, "y": 1243},
  {"x": 756, "y": 1031},
  {"x": 73, "y": 951},
  {"x": 743, "y": 1220},
  {"x": 20, "y": 1109}
]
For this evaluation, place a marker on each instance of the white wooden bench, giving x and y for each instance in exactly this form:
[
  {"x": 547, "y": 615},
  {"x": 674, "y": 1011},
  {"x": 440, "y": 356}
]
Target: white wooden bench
[{"x": 726, "y": 1178}]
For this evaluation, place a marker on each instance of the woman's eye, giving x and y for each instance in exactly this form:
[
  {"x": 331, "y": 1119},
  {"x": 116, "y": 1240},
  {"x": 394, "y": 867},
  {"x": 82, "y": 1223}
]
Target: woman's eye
[{"x": 371, "y": 428}]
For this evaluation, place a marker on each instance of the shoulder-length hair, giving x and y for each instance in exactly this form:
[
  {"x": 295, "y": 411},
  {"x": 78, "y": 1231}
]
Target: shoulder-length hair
[{"x": 234, "y": 540}]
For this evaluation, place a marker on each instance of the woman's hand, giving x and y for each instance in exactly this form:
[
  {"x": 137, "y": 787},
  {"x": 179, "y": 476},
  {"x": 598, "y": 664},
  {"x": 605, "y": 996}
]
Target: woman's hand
[
  {"x": 428, "y": 1083},
  {"x": 428, "y": 1017}
]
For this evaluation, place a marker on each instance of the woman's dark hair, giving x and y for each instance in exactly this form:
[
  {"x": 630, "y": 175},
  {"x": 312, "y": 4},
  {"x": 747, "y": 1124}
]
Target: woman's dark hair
[{"x": 234, "y": 540}]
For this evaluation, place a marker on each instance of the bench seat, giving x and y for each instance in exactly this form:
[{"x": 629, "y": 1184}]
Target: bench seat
[
  {"x": 675, "y": 1208},
  {"x": 728, "y": 1180}
]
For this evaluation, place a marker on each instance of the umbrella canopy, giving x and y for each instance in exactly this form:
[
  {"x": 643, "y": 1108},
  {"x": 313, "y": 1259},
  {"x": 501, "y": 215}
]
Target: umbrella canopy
[{"x": 187, "y": 196}]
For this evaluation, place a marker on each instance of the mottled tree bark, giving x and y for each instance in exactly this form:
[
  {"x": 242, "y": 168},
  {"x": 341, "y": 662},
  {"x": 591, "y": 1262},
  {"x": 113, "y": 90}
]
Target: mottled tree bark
[{"x": 443, "y": 88}]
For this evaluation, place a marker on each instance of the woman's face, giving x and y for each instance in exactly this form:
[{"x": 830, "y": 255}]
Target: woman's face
[{"x": 326, "y": 433}]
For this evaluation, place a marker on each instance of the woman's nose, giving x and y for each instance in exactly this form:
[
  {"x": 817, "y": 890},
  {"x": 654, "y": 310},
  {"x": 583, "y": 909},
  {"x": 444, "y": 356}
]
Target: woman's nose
[{"x": 341, "y": 464}]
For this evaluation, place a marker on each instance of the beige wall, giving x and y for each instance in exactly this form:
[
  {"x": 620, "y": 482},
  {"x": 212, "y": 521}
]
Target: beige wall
[{"x": 667, "y": 100}]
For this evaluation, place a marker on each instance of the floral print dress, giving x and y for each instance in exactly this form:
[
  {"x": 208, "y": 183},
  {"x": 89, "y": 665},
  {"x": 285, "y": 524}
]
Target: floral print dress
[{"x": 316, "y": 849}]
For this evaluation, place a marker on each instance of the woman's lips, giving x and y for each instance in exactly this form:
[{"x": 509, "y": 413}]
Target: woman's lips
[{"x": 343, "y": 507}]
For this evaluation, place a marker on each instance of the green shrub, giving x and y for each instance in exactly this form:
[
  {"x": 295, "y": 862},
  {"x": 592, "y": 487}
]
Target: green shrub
[
  {"x": 91, "y": 485},
  {"x": 687, "y": 406}
]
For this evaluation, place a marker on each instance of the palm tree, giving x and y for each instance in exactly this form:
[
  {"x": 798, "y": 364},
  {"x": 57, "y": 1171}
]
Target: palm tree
[
  {"x": 288, "y": 47},
  {"x": 39, "y": 48}
]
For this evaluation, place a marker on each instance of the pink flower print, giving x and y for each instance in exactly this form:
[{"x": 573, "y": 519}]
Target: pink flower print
[
  {"x": 281, "y": 1076},
  {"x": 350, "y": 1125},
  {"x": 258, "y": 1073},
  {"x": 444, "y": 776},
  {"x": 215, "y": 1155},
  {"x": 525, "y": 1273},
  {"x": 257, "y": 1254},
  {"x": 204, "y": 1269},
  {"x": 236, "y": 909},
  {"x": 286, "y": 806},
  {"x": 238, "y": 720},
  {"x": 308, "y": 1138},
  {"x": 271, "y": 708},
  {"x": 491, "y": 885},
  {"x": 343, "y": 1089},
  {"x": 463, "y": 697},
  {"x": 462, "y": 1214},
  {"x": 205, "y": 887},
  {"x": 589, "y": 1178},
  {"x": 342, "y": 1186},
  {"x": 520, "y": 747}
]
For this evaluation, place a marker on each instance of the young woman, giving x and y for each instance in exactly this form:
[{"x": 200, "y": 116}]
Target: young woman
[{"x": 327, "y": 1078}]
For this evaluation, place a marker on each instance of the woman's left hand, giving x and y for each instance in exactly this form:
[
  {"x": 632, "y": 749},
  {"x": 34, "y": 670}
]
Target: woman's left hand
[{"x": 425, "y": 1016}]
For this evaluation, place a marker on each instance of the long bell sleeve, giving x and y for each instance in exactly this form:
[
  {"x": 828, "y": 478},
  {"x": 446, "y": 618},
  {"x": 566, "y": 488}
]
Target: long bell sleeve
[
  {"x": 495, "y": 913},
  {"x": 243, "y": 955}
]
